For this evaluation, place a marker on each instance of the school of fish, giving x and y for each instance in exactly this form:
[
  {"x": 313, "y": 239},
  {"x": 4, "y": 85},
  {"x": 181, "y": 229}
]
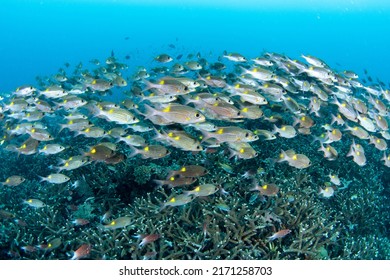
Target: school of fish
[{"x": 229, "y": 106}]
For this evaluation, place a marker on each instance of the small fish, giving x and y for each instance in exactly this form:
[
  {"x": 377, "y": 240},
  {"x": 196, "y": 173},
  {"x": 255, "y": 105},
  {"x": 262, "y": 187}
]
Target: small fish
[
  {"x": 189, "y": 171},
  {"x": 177, "y": 200},
  {"x": 52, "y": 149},
  {"x": 176, "y": 113},
  {"x": 226, "y": 167},
  {"x": 73, "y": 163},
  {"x": 357, "y": 152},
  {"x": 223, "y": 207},
  {"x": 236, "y": 57},
  {"x": 133, "y": 140},
  {"x": 100, "y": 153},
  {"x": 151, "y": 151},
  {"x": 231, "y": 134},
  {"x": 299, "y": 161},
  {"x": 330, "y": 153},
  {"x": 327, "y": 192},
  {"x": 6, "y": 214},
  {"x": 34, "y": 203},
  {"x": 381, "y": 122},
  {"x": 335, "y": 179},
  {"x": 121, "y": 222},
  {"x": 173, "y": 182},
  {"x": 163, "y": 58},
  {"x": 147, "y": 238},
  {"x": 314, "y": 61},
  {"x": 51, "y": 245},
  {"x": 55, "y": 178},
  {"x": 286, "y": 131},
  {"x": 280, "y": 234},
  {"x": 193, "y": 65},
  {"x": 82, "y": 252},
  {"x": 13, "y": 181},
  {"x": 379, "y": 143},
  {"x": 203, "y": 190},
  {"x": 80, "y": 222},
  {"x": 242, "y": 150},
  {"x": 267, "y": 189}
]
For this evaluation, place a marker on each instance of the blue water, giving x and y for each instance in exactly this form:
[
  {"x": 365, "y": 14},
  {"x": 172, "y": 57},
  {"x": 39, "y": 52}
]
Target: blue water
[{"x": 38, "y": 37}]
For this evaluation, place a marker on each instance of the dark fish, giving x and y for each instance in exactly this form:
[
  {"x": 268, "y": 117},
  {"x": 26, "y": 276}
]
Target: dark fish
[
  {"x": 127, "y": 38},
  {"x": 172, "y": 46},
  {"x": 364, "y": 81},
  {"x": 365, "y": 71},
  {"x": 369, "y": 78},
  {"x": 112, "y": 53},
  {"x": 127, "y": 57},
  {"x": 179, "y": 56}
]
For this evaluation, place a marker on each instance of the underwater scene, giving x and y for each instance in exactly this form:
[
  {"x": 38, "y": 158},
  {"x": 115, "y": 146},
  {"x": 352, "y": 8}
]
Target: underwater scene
[{"x": 184, "y": 130}]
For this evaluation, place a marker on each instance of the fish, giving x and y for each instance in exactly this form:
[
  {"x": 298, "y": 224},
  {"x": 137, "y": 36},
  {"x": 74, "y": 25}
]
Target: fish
[
  {"x": 242, "y": 150},
  {"x": 82, "y": 252},
  {"x": 285, "y": 131},
  {"x": 270, "y": 189},
  {"x": 177, "y": 200},
  {"x": 51, "y": 245},
  {"x": 150, "y": 151},
  {"x": 299, "y": 161},
  {"x": 193, "y": 65},
  {"x": 173, "y": 182},
  {"x": 72, "y": 163},
  {"x": 14, "y": 181},
  {"x": 175, "y": 113},
  {"x": 120, "y": 222},
  {"x": 280, "y": 234},
  {"x": 330, "y": 152},
  {"x": 147, "y": 238},
  {"x": 117, "y": 115},
  {"x": 202, "y": 190},
  {"x": 133, "y": 140},
  {"x": 100, "y": 153},
  {"x": 334, "y": 179},
  {"x": 327, "y": 192},
  {"x": 230, "y": 134},
  {"x": 55, "y": 178},
  {"x": 34, "y": 203},
  {"x": 236, "y": 57},
  {"x": 188, "y": 171},
  {"x": 357, "y": 152},
  {"x": 179, "y": 139},
  {"x": 163, "y": 58}
]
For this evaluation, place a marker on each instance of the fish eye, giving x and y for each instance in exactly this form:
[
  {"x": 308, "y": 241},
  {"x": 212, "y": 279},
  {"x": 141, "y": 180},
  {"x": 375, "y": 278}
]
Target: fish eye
[
  {"x": 247, "y": 135},
  {"x": 198, "y": 147},
  {"x": 134, "y": 118},
  {"x": 238, "y": 113},
  {"x": 185, "y": 88},
  {"x": 197, "y": 115}
]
